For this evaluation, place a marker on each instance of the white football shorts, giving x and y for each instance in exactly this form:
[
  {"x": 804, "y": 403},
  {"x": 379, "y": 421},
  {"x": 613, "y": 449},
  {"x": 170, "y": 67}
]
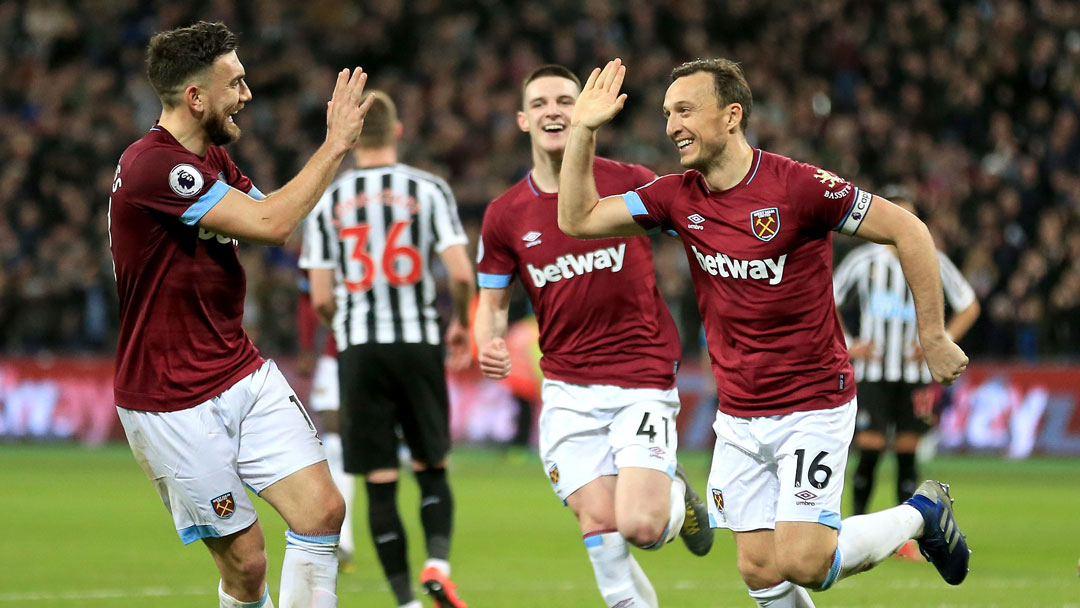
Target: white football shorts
[
  {"x": 587, "y": 432},
  {"x": 202, "y": 458},
  {"x": 325, "y": 390},
  {"x": 779, "y": 468}
]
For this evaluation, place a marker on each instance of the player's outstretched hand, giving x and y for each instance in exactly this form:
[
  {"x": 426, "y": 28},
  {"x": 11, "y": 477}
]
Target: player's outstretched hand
[
  {"x": 945, "y": 359},
  {"x": 861, "y": 350},
  {"x": 495, "y": 359},
  {"x": 347, "y": 108},
  {"x": 458, "y": 357},
  {"x": 600, "y": 99}
]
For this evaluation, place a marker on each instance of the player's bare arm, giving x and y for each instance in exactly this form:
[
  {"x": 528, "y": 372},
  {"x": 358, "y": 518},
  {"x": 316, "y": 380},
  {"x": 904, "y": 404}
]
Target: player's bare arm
[
  {"x": 888, "y": 224},
  {"x": 273, "y": 219},
  {"x": 322, "y": 294},
  {"x": 582, "y": 214},
  {"x": 462, "y": 289},
  {"x": 489, "y": 330},
  {"x": 958, "y": 325}
]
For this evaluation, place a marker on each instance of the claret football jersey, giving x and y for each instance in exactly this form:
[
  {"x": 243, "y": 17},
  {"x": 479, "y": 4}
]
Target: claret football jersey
[
  {"x": 760, "y": 256},
  {"x": 181, "y": 287},
  {"x": 601, "y": 317}
]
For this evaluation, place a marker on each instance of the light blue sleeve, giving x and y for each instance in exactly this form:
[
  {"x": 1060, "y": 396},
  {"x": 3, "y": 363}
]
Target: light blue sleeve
[
  {"x": 492, "y": 281},
  {"x": 205, "y": 203}
]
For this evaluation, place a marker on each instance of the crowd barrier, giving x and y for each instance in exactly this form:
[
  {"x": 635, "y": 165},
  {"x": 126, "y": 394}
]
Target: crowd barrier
[{"x": 1011, "y": 409}]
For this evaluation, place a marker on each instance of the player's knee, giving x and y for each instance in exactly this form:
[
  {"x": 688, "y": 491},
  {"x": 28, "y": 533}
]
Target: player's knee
[
  {"x": 326, "y": 513},
  {"x": 804, "y": 568},
  {"x": 641, "y": 530},
  {"x": 870, "y": 440},
  {"x": 382, "y": 476},
  {"x": 757, "y": 571},
  {"x": 593, "y": 519},
  {"x": 334, "y": 515},
  {"x": 247, "y": 573},
  {"x": 593, "y": 522},
  {"x": 420, "y": 465}
]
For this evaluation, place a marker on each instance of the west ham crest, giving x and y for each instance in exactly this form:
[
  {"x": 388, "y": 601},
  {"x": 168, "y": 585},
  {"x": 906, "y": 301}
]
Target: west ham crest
[
  {"x": 224, "y": 506},
  {"x": 553, "y": 474},
  {"x": 718, "y": 499},
  {"x": 765, "y": 223}
]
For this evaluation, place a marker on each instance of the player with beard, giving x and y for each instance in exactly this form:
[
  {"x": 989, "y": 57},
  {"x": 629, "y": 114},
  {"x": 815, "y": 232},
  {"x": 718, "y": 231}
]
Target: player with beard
[
  {"x": 206, "y": 416},
  {"x": 757, "y": 232},
  {"x": 607, "y": 428}
]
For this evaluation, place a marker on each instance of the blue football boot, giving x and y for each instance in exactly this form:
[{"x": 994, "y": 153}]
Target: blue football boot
[{"x": 942, "y": 543}]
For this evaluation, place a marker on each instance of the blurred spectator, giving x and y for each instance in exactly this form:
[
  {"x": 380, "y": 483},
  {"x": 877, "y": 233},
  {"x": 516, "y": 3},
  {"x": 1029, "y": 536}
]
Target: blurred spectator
[{"x": 971, "y": 104}]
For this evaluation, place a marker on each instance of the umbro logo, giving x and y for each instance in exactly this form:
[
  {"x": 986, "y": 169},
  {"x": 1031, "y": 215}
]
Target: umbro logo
[
  {"x": 531, "y": 238},
  {"x": 806, "y": 495},
  {"x": 697, "y": 219}
]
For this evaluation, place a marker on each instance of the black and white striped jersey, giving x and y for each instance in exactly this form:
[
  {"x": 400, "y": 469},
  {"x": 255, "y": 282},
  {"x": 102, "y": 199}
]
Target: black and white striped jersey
[
  {"x": 887, "y": 310},
  {"x": 377, "y": 228}
]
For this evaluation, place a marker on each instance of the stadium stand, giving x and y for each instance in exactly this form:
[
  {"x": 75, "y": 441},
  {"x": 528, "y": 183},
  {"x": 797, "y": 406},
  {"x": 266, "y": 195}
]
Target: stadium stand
[{"x": 972, "y": 105}]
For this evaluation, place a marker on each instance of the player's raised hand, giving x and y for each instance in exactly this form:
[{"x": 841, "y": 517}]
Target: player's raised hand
[
  {"x": 495, "y": 359},
  {"x": 945, "y": 359},
  {"x": 347, "y": 108},
  {"x": 600, "y": 99}
]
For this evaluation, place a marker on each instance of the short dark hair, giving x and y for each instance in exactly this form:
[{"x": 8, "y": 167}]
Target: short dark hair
[
  {"x": 731, "y": 85},
  {"x": 898, "y": 193},
  {"x": 173, "y": 57},
  {"x": 551, "y": 69},
  {"x": 379, "y": 122}
]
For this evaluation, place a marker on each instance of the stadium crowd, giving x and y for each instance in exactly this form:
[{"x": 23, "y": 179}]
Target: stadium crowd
[{"x": 973, "y": 106}]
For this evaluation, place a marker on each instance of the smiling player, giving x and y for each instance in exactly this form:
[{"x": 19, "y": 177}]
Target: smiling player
[
  {"x": 757, "y": 232},
  {"x": 607, "y": 427},
  {"x": 206, "y": 416}
]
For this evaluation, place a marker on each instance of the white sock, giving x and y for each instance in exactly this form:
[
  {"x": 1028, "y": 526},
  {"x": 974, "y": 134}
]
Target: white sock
[
  {"x": 642, "y": 584},
  {"x": 345, "y": 483},
  {"x": 618, "y": 576},
  {"x": 439, "y": 564},
  {"x": 227, "y": 601},
  {"x": 782, "y": 595},
  {"x": 675, "y": 517},
  {"x": 866, "y": 540},
  {"x": 412, "y": 604},
  {"x": 678, "y": 509},
  {"x": 309, "y": 571}
]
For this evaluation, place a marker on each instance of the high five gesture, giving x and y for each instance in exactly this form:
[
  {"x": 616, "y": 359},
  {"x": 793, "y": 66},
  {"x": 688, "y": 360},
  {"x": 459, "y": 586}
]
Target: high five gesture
[
  {"x": 581, "y": 212},
  {"x": 600, "y": 99},
  {"x": 347, "y": 108}
]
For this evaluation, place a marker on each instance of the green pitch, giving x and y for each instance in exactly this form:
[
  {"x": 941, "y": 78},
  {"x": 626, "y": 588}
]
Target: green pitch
[{"x": 85, "y": 528}]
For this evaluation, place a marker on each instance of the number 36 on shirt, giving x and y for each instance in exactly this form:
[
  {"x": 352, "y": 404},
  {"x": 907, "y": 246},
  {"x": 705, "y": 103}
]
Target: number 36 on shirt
[{"x": 390, "y": 254}]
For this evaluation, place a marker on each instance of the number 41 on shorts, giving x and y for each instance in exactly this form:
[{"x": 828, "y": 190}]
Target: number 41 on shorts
[{"x": 649, "y": 430}]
